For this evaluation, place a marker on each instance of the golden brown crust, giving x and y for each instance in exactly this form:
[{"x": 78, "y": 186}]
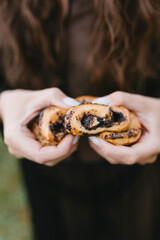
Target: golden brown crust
[
  {"x": 36, "y": 131},
  {"x": 114, "y": 124},
  {"x": 85, "y": 99},
  {"x": 75, "y": 116},
  {"x": 92, "y": 119},
  {"x": 128, "y": 137},
  {"x": 121, "y": 119},
  {"x": 51, "y": 124}
]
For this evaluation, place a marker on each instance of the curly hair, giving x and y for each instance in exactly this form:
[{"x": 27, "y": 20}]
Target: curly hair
[{"x": 124, "y": 44}]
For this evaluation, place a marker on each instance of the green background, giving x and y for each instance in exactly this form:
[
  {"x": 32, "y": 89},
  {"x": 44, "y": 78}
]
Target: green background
[{"x": 15, "y": 214}]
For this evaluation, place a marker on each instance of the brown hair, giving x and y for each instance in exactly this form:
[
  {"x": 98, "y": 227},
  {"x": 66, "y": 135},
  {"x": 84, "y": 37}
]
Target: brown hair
[
  {"x": 124, "y": 44},
  {"x": 126, "y": 41}
]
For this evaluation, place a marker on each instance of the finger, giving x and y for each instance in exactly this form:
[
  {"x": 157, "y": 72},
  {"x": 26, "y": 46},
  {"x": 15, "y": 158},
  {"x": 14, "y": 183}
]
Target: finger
[
  {"x": 43, "y": 99},
  {"x": 123, "y": 154},
  {"x": 102, "y": 150},
  {"x": 146, "y": 147},
  {"x": 16, "y": 153},
  {"x": 55, "y": 162},
  {"x": 34, "y": 151},
  {"x": 133, "y": 102},
  {"x": 62, "y": 149},
  {"x": 149, "y": 160},
  {"x": 12, "y": 135},
  {"x": 54, "y": 96}
]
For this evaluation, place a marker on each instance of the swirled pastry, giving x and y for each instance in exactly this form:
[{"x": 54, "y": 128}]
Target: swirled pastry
[
  {"x": 51, "y": 124},
  {"x": 114, "y": 124},
  {"x": 34, "y": 127},
  {"x": 130, "y": 136},
  {"x": 92, "y": 119}
]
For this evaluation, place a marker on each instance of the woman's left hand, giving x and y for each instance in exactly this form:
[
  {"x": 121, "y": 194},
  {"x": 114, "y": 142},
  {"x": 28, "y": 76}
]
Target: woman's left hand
[{"x": 147, "y": 148}]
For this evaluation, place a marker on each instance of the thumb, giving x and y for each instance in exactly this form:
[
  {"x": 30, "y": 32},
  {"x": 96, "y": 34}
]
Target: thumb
[
  {"x": 133, "y": 102},
  {"x": 53, "y": 97},
  {"x": 45, "y": 98}
]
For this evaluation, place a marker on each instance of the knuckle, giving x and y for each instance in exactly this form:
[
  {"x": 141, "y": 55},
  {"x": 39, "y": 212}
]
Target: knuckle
[
  {"x": 119, "y": 95},
  {"x": 10, "y": 150},
  {"x": 67, "y": 150},
  {"x": 50, "y": 164},
  {"x": 55, "y": 90},
  {"x": 104, "y": 152},
  {"x": 6, "y": 140},
  {"x": 38, "y": 158},
  {"x": 10, "y": 135},
  {"x": 50, "y": 92},
  {"x": 7, "y": 137},
  {"x": 131, "y": 160}
]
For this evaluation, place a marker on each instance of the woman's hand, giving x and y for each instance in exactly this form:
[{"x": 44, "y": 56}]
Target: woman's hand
[
  {"x": 148, "y": 147},
  {"x": 18, "y": 108}
]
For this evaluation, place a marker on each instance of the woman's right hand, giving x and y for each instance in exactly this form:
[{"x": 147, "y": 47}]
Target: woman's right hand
[{"x": 17, "y": 109}]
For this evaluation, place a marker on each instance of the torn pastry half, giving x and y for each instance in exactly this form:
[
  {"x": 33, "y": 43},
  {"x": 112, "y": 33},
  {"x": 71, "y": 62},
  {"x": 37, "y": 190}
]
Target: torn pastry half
[
  {"x": 128, "y": 137},
  {"x": 48, "y": 127},
  {"x": 114, "y": 124},
  {"x": 92, "y": 119}
]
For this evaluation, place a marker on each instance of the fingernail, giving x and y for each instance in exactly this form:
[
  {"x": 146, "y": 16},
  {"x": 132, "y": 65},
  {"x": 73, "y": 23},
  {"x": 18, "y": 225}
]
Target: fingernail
[
  {"x": 103, "y": 100},
  {"x": 94, "y": 140},
  {"x": 70, "y": 101},
  {"x": 76, "y": 139}
]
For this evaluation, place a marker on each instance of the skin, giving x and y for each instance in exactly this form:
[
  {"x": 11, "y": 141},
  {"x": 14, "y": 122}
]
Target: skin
[
  {"x": 147, "y": 110},
  {"x": 147, "y": 149},
  {"x": 17, "y": 108}
]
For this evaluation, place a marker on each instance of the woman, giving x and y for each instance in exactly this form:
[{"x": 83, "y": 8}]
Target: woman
[{"x": 84, "y": 48}]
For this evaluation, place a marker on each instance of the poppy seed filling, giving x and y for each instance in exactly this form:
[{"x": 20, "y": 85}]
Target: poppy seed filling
[
  {"x": 91, "y": 122},
  {"x": 57, "y": 127}
]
